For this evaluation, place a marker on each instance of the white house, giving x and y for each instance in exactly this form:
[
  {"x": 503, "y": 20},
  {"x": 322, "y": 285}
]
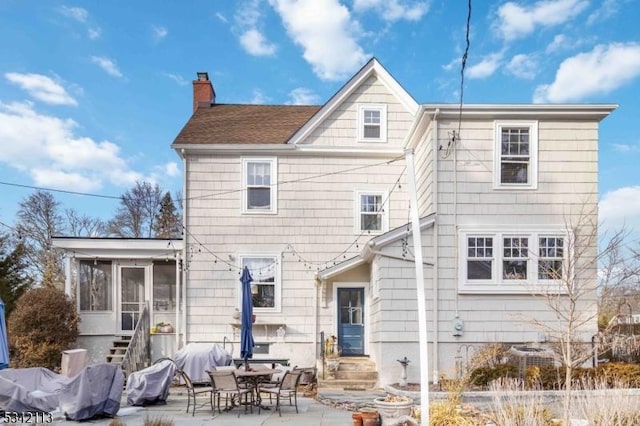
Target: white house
[{"x": 314, "y": 200}]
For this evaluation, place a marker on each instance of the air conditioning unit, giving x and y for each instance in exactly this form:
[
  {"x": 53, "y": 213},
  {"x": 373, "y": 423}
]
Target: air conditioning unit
[{"x": 524, "y": 357}]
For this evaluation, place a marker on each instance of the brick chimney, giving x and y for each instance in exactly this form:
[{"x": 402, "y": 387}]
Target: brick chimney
[{"x": 203, "y": 93}]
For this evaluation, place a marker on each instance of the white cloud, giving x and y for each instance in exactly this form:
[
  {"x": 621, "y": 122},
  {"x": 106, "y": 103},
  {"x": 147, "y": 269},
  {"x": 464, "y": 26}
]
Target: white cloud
[
  {"x": 523, "y": 66},
  {"x": 621, "y": 207},
  {"x": 624, "y": 148},
  {"x": 172, "y": 169},
  {"x": 159, "y": 32},
  {"x": 42, "y": 88},
  {"x": 94, "y": 33},
  {"x": 107, "y": 65},
  {"x": 303, "y": 96},
  {"x": 607, "y": 9},
  {"x": 486, "y": 67},
  {"x": 394, "y": 10},
  {"x": 604, "y": 69},
  {"x": 515, "y": 21},
  {"x": 259, "y": 98},
  {"x": 559, "y": 42},
  {"x": 77, "y": 13},
  {"x": 254, "y": 43},
  {"x": 326, "y": 32},
  {"x": 221, "y": 17},
  {"x": 177, "y": 78},
  {"x": 47, "y": 148}
]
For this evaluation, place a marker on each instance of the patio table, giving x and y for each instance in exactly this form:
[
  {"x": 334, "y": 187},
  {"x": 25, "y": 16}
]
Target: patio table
[{"x": 254, "y": 377}]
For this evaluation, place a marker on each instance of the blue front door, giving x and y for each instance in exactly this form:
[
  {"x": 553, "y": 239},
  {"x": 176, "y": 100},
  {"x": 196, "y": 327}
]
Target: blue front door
[{"x": 351, "y": 320}]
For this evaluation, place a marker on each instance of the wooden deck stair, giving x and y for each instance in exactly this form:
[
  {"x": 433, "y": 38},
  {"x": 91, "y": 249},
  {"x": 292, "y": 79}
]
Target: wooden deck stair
[
  {"x": 116, "y": 353},
  {"x": 354, "y": 373}
]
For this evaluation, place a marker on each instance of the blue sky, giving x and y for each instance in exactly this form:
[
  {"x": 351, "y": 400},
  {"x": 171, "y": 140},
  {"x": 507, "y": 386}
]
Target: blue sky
[{"x": 93, "y": 93}]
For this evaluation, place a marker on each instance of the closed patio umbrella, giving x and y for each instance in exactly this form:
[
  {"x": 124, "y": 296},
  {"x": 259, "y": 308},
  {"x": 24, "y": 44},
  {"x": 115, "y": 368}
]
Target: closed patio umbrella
[
  {"x": 4, "y": 346},
  {"x": 246, "y": 331}
]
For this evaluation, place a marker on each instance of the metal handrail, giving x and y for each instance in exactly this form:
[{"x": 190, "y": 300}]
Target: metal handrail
[{"x": 138, "y": 353}]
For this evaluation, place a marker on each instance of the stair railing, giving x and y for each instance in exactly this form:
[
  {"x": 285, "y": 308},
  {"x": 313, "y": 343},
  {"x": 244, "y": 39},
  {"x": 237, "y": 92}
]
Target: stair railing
[{"x": 138, "y": 353}]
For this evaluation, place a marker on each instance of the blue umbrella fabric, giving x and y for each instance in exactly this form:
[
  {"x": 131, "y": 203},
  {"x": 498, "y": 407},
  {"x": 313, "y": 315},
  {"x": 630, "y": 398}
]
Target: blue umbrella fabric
[
  {"x": 4, "y": 346},
  {"x": 246, "y": 331}
]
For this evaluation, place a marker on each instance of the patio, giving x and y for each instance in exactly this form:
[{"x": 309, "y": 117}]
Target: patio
[{"x": 312, "y": 413}]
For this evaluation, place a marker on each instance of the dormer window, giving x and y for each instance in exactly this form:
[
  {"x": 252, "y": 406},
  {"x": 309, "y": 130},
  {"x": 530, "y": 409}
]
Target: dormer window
[{"x": 372, "y": 123}]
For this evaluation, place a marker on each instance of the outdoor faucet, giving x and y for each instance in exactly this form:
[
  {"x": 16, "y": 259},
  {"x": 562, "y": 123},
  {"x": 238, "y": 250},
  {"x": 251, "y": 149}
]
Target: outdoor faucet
[{"x": 403, "y": 376}]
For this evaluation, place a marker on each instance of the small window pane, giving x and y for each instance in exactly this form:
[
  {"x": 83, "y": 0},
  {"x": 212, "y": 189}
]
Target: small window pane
[
  {"x": 514, "y": 172},
  {"x": 372, "y": 132},
  {"x": 479, "y": 269},
  {"x": 371, "y": 222},
  {"x": 514, "y": 269},
  {"x": 258, "y": 198}
]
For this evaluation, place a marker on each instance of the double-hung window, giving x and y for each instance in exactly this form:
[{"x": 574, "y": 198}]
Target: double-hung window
[
  {"x": 265, "y": 287},
  {"x": 259, "y": 178},
  {"x": 550, "y": 258},
  {"x": 372, "y": 123},
  {"x": 516, "y": 148},
  {"x": 506, "y": 261},
  {"x": 371, "y": 211}
]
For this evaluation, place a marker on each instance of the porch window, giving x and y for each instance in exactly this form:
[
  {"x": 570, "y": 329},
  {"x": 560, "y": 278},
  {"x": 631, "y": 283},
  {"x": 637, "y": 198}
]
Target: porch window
[
  {"x": 95, "y": 282},
  {"x": 164, "y": 286},
  {"x": 265, "y": 287},
  {"x": 259, "y": 177}
]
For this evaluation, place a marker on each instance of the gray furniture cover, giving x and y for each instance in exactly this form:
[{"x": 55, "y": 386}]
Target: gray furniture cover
[
  {"x": 96, "y": 391},
  {"x": 151, "y": 385},
  {"x": 30, "y": 389},
  {"x": 196, "y": 358}
]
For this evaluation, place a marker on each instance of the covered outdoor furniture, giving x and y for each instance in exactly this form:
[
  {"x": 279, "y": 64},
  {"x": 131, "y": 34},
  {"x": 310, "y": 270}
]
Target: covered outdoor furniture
[
  {"x": 196, "y": 358},
  {"x": 96, "y": 391},
  {"x": 30, "y": 389},
  {"x": 225, "y": 382},
  {"x": 151, "y": 385},
  {"x": 287, "y": 388},
  {"x": 193, "y": 390}
]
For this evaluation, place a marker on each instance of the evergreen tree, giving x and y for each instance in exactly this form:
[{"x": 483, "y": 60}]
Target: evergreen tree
[
  {"x": 14, "y": 278},
  {"x": 167, "y": 223}
]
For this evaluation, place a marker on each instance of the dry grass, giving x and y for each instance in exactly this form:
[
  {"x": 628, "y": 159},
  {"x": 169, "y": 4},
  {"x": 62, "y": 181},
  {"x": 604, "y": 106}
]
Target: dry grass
[
  {"x": 158, "y": 421},
  {"x": 605, "y": 406},
  {"x": 512, "y": 407}
]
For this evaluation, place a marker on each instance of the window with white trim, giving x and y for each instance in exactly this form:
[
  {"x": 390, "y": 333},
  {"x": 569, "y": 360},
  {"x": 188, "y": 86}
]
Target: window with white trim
[
  {"x": 265, "y": 287},
  {"x": 259, "y": 178},
  {"x": 372, "y": 123},
  {"x": 516, "y": 154},
  {"x": 511, "y": 262},
  {"x": 371, "y": 212},
  {"x": 95, "y": 285}
]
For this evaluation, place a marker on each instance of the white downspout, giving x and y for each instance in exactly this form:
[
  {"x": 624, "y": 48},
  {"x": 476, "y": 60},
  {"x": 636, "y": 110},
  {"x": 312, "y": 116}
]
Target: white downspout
[
  {"x": 436, "y": 255},
  {"x": 178, "y": 321},
  {"x": 185, "y": 239},
  {"x": 422, "y": 308}
]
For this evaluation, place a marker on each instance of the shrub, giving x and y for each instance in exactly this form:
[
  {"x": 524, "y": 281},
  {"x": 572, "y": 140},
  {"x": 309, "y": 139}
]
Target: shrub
[
  {"x": 43, "y": 324},
  {"x": 484, "y": 375}
]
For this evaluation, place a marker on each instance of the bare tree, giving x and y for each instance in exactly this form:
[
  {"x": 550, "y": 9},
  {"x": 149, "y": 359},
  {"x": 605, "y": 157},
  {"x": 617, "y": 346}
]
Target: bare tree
[
  {"x": 39, "y": 219},
  {"x": 84, "y": 226},
  {"x": 573, "y": 300},
  {"x": 136, "y": 216}
]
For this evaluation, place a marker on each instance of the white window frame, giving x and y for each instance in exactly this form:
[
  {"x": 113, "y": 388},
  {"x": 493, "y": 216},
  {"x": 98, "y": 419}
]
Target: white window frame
[
  {"x": 277, "y": 259},
  {"x": 273, "y": 163},
  {"x": 383, "y": 122},
  {"x": 500, "y": 285},
  {"x": 384, "y": 214},
  {"x": 532, "y": 176}
]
